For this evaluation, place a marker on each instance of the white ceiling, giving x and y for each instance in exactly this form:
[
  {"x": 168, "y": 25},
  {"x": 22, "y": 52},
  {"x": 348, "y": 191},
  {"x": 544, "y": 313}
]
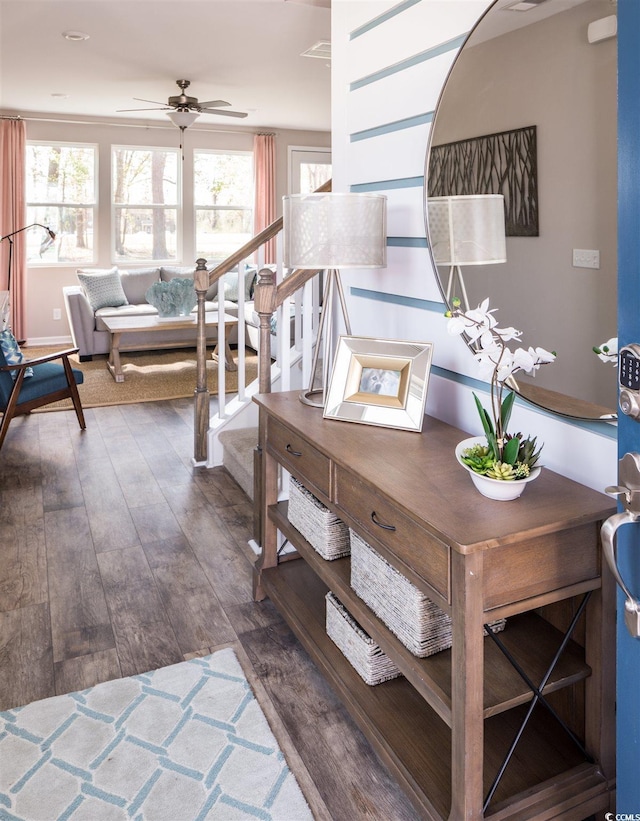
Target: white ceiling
[{"x": 246, "y": 52}]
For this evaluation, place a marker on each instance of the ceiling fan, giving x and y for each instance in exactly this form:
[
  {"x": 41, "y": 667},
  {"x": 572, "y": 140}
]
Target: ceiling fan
[{"x": 183, "y": 110}]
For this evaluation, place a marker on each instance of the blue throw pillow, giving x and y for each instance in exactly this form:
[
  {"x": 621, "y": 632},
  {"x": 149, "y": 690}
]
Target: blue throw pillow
[{"x": 12, "y": 353}]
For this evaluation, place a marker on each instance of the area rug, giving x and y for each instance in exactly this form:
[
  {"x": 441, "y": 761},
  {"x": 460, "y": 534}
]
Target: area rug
[
  {"x": 149, "y": 377},
  {"x": 184, "y": 743}
]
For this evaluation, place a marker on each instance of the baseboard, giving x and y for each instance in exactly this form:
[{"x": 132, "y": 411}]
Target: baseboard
[{"x": 42, "y": 341}]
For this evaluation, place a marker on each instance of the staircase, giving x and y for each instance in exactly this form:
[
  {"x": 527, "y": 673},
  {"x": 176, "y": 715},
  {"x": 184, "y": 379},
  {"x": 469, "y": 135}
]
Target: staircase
[
  {"x": 238, "y": 448},
  {"x": 287, "y": 303}
]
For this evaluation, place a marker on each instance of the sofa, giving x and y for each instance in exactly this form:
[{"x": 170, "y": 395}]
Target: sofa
[{"x": 112, "y": 292}]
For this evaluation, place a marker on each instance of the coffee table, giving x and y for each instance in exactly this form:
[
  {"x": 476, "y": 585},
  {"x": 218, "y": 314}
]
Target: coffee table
[{"x": 118, "y": 325}]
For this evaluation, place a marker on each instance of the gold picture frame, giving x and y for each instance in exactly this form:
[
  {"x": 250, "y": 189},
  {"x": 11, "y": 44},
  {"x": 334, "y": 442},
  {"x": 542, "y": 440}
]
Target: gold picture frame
[{"x": 379, "y": 382}]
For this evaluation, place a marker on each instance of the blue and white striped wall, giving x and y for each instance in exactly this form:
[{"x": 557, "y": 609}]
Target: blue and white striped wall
[{"x": 389, "y": 63}]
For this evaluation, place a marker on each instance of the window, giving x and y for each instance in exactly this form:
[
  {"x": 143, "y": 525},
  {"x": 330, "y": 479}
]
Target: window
[
  {"x": 223, "y": 199},
  {"x": 61, "y": 194},
  {"x": 145, "y": 194}
]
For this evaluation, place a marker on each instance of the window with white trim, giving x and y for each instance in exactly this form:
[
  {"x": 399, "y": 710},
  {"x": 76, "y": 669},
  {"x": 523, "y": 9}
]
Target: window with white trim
[
  {"x": 61, "y": 191},
  {"x": 145, "y": 194},
  {"x": 223, "y": 200}
]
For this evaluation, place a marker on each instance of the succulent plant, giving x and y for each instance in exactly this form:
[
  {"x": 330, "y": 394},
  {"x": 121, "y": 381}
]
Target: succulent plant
[{"x": 500, "y": 470}]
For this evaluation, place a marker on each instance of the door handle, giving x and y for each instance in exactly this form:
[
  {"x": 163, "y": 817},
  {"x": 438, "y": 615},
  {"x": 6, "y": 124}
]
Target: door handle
[{"x": 628, "y": 494}]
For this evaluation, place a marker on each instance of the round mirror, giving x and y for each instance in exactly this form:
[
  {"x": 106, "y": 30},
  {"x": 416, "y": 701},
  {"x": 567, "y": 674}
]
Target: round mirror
[{"x": 528, "y": 112}]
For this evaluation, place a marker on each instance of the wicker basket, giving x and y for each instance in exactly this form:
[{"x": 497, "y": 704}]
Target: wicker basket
[
  {"x": 358, "y": 647},
  {"x": 324, "y": 531},
  {"x": 419, "y": 623}
]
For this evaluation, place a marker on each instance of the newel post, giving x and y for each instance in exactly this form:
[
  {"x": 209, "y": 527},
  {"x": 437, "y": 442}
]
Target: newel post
[
  {"x": 201, "y": 394},
  {"x": 264, "y": 306}
]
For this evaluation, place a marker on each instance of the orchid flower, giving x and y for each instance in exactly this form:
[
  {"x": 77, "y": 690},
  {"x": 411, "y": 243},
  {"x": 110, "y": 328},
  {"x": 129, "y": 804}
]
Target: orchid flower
[
  {"x": 608, "y": 351},
  {"x": 497, "y": 362}
]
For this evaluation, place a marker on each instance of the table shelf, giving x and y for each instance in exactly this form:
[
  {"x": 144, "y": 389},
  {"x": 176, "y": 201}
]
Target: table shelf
[
  {"x": 530, "y": 638},
  {"x": 407, "y": 734}
]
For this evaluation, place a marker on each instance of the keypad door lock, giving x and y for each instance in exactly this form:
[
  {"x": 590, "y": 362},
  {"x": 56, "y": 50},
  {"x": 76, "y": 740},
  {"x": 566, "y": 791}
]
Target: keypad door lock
[
  {"x": 629, "y": 380},
  {"x": 628, "y": 494}
]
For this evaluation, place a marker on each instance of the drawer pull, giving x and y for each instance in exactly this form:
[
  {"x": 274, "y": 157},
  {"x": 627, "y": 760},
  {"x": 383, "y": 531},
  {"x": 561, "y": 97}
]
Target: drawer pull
[
  {"x": 293, "y": 452},
  {"x": 374, "y": 519}
]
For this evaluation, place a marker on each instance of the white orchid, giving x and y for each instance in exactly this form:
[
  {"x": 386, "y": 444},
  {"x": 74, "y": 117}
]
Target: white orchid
[
  {"x": 497, "y": 362},
  {"x": 507, "y": 334},
  {"x": 608, "y": 351}
]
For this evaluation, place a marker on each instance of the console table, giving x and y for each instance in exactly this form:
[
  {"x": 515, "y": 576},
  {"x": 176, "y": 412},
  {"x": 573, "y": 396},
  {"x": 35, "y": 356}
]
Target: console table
[{"x": 445, "y": 727}]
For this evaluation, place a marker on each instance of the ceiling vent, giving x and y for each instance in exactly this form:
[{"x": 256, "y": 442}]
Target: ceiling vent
[{"x": 322, "y": 50}]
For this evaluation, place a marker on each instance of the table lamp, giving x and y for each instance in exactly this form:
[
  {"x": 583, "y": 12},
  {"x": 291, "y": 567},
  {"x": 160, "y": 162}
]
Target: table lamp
[
  {"x": 332, "y": 231},
  {"x": 466, "y": 230}
]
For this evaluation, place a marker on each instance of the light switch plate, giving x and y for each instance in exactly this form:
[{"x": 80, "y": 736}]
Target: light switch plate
[{"x": 585, "y": 258}]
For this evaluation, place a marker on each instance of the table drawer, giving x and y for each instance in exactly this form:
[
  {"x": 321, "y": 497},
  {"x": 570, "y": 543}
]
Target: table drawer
[
  {"x": 387, "y": 526},
  {"x": 300, "y": 458}
]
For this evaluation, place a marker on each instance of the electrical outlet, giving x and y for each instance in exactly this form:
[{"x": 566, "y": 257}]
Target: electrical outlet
[
  {"x": 57, "y": 313},
  {"x": 586, "y": 259}
]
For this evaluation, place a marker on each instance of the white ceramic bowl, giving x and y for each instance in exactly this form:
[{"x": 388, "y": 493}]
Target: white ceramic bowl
[{"x": 498, "y": 489}]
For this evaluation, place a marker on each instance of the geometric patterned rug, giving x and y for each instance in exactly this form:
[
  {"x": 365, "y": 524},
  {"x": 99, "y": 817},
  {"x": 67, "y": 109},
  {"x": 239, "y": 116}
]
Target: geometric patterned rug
[{"x": 183, "y": 743}]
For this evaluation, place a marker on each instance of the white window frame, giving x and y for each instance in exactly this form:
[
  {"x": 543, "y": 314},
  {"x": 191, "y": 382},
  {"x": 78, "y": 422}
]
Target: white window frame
[
  {"x": 94, "y": 206},
  {"x": 178, "y": 206},
  {"x": 296, "y": 154}
]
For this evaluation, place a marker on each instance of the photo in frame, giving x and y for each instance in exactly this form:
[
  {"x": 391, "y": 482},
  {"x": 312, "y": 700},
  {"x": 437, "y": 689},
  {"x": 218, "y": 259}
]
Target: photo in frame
[{"x": 379, "y": 382}]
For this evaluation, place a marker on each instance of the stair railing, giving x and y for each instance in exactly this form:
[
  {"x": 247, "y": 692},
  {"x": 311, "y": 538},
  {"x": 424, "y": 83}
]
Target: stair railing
[{"x": 272, "y": 294}]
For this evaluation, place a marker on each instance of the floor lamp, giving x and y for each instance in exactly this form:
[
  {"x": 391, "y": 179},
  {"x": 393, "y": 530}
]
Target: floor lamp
[
  {"x": 466, "y": 230},
  {"x": 332, "y": 231},
  {"x": 47, "y": 241}
]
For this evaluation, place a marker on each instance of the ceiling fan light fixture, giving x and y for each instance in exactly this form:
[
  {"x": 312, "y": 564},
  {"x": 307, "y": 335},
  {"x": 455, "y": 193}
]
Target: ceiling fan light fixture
[{"x": 183, "y": 119}]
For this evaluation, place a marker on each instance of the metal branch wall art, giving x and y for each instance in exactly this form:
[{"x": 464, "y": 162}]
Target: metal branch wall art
[{"x": 504, "y": 163}]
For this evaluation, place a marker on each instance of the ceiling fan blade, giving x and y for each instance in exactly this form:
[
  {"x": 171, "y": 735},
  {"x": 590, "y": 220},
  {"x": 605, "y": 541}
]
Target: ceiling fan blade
[
  {"x": 224, "y": 113},
  {"x": 142, "y": 100},
  {"x": 164, "y": 108},
  {"x": 213, "y": 103}
]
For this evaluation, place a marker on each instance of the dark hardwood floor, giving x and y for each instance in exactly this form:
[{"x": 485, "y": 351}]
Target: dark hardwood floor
[{"x": 118, "y": 557}]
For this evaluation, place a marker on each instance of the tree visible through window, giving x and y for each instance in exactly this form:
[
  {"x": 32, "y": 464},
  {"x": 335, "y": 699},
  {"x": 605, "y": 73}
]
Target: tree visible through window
[
  {"x": 223, "y": 198},
  {"x": 145, "y": 203},
  {"x": 313, "y": 175},
  {"x": 61, "y": 194}
]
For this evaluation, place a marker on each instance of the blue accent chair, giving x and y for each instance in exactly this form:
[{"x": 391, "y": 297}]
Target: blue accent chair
[{"x": 50, "y": 382}]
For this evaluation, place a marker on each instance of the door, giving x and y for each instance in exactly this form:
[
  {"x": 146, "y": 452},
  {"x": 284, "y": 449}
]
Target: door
[
  {"x": 628, "y": 650},
  {"x": 308, "y": 168}
]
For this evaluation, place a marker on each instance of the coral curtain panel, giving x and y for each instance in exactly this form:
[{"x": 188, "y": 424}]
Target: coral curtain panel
[
  {"x": 264, "y": 153},
  {"x": 13, "y": 216}
]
